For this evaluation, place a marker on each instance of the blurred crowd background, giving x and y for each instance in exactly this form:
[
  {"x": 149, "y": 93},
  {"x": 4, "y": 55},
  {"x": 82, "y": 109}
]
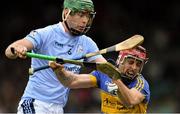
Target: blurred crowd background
[{"x": 115, "y": 21}]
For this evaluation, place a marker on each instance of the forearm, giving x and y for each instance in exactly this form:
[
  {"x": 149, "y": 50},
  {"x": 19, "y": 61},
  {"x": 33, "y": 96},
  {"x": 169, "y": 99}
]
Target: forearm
[
  {"x": 75, "y": 81},
  {"x": 123, "y": 93},
  {"x": 129, "y": 97},
  {"x": 20, "y": 48},
  {"x": 71, "y": 79},
  {"x": 65, "y": 77}
]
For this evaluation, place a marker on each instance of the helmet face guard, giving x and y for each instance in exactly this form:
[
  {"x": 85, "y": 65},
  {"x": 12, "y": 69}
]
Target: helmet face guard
[
  {"x": 138, "y": 54},
  {"x": 79, "y": 6},
  {"x": 75, "y": 32}
]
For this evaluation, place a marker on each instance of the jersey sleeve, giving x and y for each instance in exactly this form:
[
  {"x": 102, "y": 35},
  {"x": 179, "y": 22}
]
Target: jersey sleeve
[
  {"x": 92, "y": 47},
  {"x": 102, "y": 80},
  {"x": 35, "y": 37},
  {"x": 142, "y": 85},
  {"x": 38, "y": 37},
  {"x": 93, "y": 80},
  {"x": 97, "y": 75}
]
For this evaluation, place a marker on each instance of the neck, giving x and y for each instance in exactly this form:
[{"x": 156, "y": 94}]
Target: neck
[{"x": 65, "y": 28}]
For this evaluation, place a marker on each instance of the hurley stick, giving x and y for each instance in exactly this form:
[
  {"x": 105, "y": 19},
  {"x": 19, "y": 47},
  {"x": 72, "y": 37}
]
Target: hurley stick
[{"x": 126, "y": 44}]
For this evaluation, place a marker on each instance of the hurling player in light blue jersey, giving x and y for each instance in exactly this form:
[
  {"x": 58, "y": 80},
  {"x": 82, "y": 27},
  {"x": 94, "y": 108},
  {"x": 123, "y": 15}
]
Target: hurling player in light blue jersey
[
  {"x": 44, "y": 93},
  {"x": 127, "y": 93}
]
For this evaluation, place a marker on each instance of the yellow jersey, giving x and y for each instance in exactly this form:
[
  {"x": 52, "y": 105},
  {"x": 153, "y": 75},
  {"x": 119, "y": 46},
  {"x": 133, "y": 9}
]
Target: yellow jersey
[{"x": 112, "y": 103}]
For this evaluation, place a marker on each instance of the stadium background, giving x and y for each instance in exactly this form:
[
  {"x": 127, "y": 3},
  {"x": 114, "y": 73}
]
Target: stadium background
[{"x": 157, "y": 21}]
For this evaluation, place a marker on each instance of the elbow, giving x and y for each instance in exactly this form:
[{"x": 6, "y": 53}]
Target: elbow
[
  {"x": 135, "y": 101},
  {"x": 128, "y": 104},
  {"x": 131, "y": 102}
]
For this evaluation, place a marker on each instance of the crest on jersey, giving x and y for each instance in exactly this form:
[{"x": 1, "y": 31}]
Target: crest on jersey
[
  {"x": 33, "y": 33},
  {"x": 79, "y": 48}
]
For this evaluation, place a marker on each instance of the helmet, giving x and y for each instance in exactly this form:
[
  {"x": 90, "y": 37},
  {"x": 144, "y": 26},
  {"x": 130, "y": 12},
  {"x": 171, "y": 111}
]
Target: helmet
[
  {"x": 79, "y": 6},
  {"x": 139, "y": 53}
]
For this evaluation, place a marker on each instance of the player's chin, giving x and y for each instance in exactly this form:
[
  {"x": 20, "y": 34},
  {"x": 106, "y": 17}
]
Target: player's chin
[
  {"x": 130, "y": 75},
  {"x": 80, "y": 29}
]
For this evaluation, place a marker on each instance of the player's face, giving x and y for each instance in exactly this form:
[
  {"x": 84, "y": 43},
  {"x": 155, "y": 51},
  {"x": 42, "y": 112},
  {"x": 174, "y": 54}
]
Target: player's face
[
  {"x": 79, "y": 20},
  {"x": 131, "y": 66}
]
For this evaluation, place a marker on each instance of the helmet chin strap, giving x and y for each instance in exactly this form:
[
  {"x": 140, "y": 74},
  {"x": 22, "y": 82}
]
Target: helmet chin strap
[
  {"x": 73, "y": 31},
  {"x": 65, "y": 17}
]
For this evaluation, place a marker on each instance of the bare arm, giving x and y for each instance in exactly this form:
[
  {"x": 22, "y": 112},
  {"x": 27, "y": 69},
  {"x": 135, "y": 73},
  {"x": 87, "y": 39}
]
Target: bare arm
[
  {"x": 70, "y": 79},
  {"x": 129, "y": 97},
  {"x": 20, "y": 46}
]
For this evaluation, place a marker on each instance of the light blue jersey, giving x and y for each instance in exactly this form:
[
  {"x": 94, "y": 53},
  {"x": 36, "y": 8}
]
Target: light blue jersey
[{"x": 54, "y": 41}]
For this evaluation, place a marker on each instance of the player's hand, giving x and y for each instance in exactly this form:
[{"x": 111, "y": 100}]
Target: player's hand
[
  {"x": 19, "y": 51},
  {"x": 57, "y": 68},
  {"x": 55, "y": 65}
]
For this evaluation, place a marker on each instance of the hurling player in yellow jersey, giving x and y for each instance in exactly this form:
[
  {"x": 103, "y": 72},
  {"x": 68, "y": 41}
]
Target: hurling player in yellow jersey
[{"x": 127, "y": 94}]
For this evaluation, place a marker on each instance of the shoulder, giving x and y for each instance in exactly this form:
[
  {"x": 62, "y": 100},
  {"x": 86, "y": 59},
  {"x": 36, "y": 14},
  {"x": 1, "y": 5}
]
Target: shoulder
[
  {"x": 140, "y": 78},
  {"x": 100, "y": 76},
  {"x": 102, "y": 80},
  {"x": 140, "y": 83},
  {"x": 45, "y": 30},
  {"x": 89, "y": 44},
  {"x": 85, "y": 38},
  {"x": 144, "y": 81},
  {"x": 143, "y": 87}
]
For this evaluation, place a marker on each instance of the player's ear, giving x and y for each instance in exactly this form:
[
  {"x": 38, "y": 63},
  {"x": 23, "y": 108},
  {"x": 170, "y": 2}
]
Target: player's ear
[
  {"x": 65, "y": 13},
  {"x": 65, "y": 10}
]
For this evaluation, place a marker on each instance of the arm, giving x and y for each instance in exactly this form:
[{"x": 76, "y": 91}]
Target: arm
[
  {"x": 129, "y": 97},
  {"x": 70, "y": 79},
  {"x": 21, "y": 47}
]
